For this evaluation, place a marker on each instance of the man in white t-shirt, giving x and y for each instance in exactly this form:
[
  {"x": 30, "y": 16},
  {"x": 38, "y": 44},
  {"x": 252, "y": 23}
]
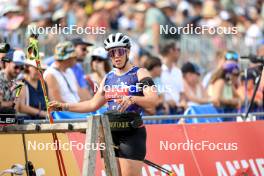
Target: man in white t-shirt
[
  {"x": 61, "y": 81},
  {"x": 171, "y": 76}
]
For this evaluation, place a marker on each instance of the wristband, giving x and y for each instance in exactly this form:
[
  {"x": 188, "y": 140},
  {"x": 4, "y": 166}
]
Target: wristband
[
  {"x": 131, "y": 100},
  {"x": 65, "y": 107}
]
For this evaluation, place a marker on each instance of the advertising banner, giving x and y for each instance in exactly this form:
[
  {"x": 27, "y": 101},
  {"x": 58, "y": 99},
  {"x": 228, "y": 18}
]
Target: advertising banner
[{"x": 221, "y": 149}]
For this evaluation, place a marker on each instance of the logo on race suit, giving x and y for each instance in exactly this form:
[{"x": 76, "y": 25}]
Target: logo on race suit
[{"x": 118, "y": 91}]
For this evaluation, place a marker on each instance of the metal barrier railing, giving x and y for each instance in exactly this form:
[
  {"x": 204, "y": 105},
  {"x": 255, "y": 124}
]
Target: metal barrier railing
[
  {"x": 226, "y": 115},
  {"x": 162, "y": 117}
]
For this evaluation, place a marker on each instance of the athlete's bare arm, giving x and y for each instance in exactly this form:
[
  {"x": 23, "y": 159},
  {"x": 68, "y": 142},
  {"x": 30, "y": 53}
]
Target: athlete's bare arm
[
  {"x": 91, "y": 105},
  {"x": 148, "y": 102}
]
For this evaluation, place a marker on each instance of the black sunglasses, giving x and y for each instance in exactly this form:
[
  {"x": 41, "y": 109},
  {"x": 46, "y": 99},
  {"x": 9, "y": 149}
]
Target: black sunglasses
[{"x": 17, "y": 67}]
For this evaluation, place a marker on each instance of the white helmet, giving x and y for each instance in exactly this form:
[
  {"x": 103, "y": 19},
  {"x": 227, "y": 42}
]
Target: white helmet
[
  {"x": 99, "y": 52},
  {"x": 117, "y": 40}
]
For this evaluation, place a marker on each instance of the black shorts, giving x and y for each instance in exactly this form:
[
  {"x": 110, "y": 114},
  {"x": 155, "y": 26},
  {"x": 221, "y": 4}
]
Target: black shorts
[{"x": 131, "y": 144}]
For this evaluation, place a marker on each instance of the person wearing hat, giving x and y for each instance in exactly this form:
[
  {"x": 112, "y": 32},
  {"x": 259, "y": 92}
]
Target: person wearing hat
[
  {"x": 99, "y": 67},
  {"x": 12, "y": 17},
  {"x": 168, "y": 10},
  {"x": 60, "y": 17},
  {"x": 194, "y": 91},
  {"x": 81, "y": 51},
  {"x": 78, "y": 70},
  {"x": 4, "y": 48},
  {"x": 31, "y": 99},
  {"x": 60, "y": 78},
  {"x": 13, "y": 65}
]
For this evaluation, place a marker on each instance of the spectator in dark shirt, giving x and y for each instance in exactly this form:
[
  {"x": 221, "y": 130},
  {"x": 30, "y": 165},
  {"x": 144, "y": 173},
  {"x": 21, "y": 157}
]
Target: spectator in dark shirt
[
  {"x": 81, "y": 52},
  {"x": 31, "y": 100}
]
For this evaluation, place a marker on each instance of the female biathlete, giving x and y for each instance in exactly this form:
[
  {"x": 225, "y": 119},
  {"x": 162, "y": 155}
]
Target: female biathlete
[{"x": 128, "y": 90}]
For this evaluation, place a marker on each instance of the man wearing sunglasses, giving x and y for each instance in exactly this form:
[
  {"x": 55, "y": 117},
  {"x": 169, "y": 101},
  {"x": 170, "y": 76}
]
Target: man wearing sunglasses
[
  {"x": 13, "y": 65},
  {"x": 81, "y": 50},
  {"x": 128, "y": 90}
]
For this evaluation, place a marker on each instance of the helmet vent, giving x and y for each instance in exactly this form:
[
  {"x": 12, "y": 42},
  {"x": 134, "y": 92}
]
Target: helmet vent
[{"x": 120, "y": 37}]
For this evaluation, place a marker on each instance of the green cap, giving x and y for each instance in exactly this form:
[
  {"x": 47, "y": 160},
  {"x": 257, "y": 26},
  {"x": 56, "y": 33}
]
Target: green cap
[{"x": 64, "y": 51}]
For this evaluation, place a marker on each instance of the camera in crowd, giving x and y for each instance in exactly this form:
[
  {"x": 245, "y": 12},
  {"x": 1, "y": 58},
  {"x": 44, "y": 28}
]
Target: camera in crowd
[
  {"x": 4, "y": 47},
  {"x": 254, "y": 58}
]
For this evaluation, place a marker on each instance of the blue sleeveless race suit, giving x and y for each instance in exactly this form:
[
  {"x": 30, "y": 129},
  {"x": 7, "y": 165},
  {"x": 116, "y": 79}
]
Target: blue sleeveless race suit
[
  {"x": 124, "y": 85},
  {"x": 132, "y": 144}
]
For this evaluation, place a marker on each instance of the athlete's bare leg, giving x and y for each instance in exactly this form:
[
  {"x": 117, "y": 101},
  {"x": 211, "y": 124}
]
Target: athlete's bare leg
[{"x": 130, "y": 167}]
